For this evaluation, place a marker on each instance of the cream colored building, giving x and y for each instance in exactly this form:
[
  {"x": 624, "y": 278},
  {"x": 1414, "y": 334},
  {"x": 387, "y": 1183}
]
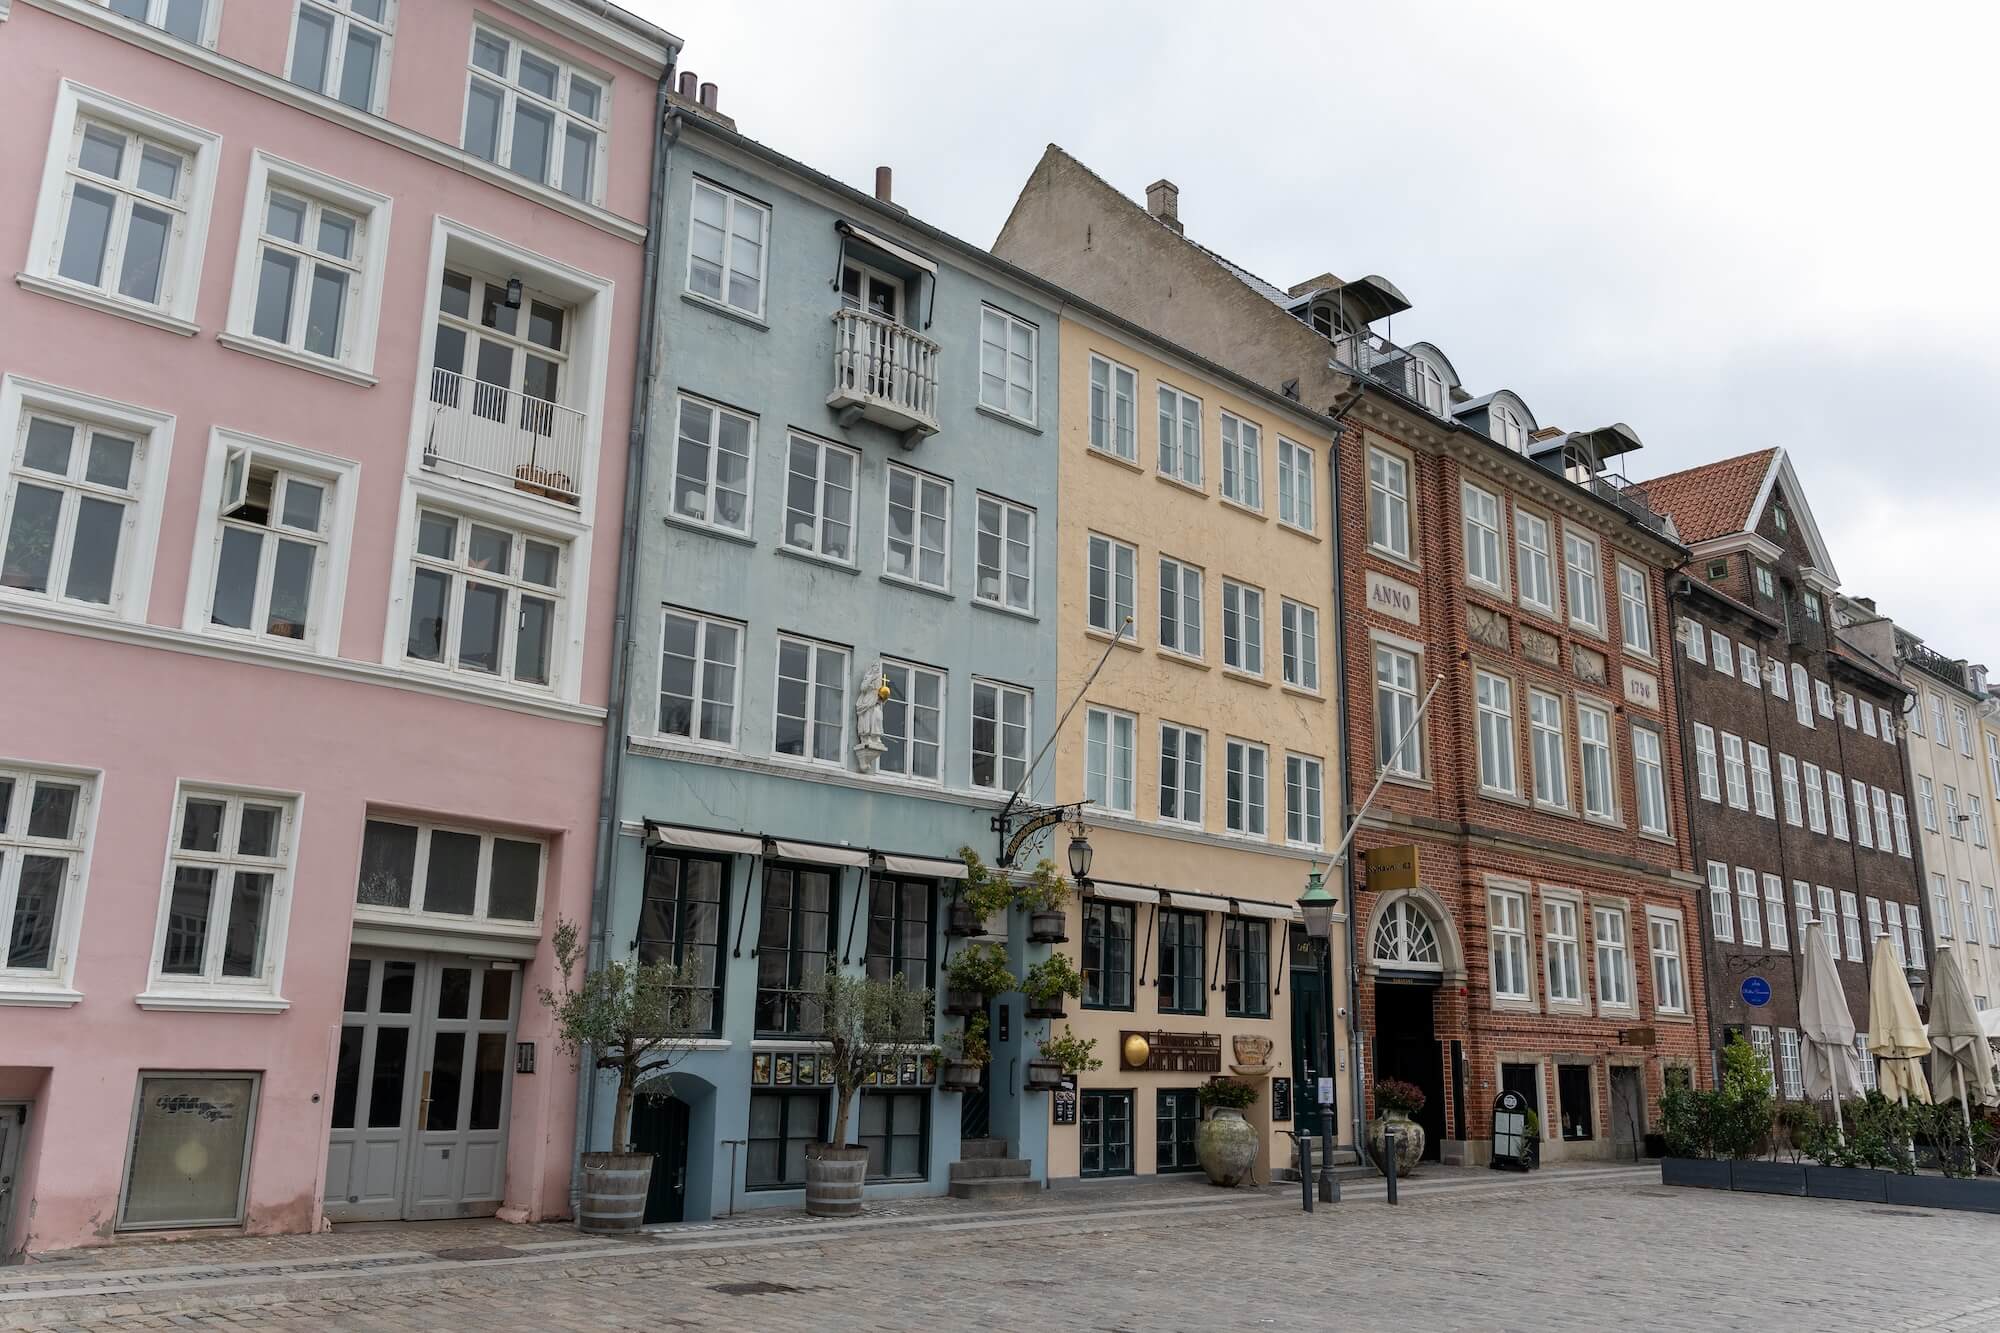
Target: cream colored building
[
  {"x": 1197, "y": 568},
  {"x": 1953, "y": 731}
]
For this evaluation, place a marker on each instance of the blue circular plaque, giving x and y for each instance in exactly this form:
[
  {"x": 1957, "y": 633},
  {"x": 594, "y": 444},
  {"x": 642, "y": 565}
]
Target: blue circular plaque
[{"x": 1756, "y": 992}]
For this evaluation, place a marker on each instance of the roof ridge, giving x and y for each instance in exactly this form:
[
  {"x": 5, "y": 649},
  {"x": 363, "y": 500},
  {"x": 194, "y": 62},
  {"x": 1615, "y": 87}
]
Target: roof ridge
[{"x": 1679, "y": 473}]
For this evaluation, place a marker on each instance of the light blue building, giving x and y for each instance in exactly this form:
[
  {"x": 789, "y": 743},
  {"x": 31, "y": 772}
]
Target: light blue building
[{"x": 849, "y": 479}]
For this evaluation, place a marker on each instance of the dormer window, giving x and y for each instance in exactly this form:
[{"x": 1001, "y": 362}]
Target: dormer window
[
  {"x": 1427, "y": 386},
  {"x": 1508, "y": 430},
  {"x": 1780, "y": 521},
  {"x": 1321, "y": 318}
]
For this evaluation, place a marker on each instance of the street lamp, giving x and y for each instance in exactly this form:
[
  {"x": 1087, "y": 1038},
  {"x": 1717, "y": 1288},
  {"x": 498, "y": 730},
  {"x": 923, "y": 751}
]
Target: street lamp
[
  {"x": 1317, "y": 904},
  {"x": 1919, "y": 982},
  {"x": 1079, "y": 854}
]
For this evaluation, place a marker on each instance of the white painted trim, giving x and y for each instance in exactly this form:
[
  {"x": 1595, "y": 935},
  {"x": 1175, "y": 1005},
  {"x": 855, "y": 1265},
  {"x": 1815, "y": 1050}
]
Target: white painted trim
[
  {"x": 14, "y": 993},
  {"x": 336, "y": 62},
  {"x": 91, "y": 299},
  {"x": 282, "y": 90},
  {"x": 615, "y": 40},
  {"x": 558, "y": 108},
  {"x": 367, "y": 673},
  {"x": 330, "y": 594},
  {"x": 181, "y": 282},
  {"x": 59, "y": 986},
  {"x": 133, "y": 593},
  {"x": 188, "y": 1002},
  {"x": 285, "y": 356},
  {"x": 364, "y": 311}
]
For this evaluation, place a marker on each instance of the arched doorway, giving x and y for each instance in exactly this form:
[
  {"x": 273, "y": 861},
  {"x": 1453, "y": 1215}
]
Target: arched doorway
[{"x": 1406, "y": 955}]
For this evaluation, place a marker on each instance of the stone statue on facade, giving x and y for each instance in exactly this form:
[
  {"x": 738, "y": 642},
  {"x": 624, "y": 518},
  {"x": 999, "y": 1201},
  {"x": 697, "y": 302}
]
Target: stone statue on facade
[{"x": 868, "y": 701}]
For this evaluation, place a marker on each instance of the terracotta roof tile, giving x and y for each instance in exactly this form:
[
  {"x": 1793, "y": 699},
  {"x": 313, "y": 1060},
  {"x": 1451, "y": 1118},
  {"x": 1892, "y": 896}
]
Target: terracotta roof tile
[{"x": 1712, "y": 500}]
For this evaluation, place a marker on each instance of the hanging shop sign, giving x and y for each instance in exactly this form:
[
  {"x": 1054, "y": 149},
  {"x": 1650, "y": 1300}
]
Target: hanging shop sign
[
  {"x": 1637, "y": 1037},
  {"x": 1391, "y": 868},
  {"x": 1171, "y": 1052}
]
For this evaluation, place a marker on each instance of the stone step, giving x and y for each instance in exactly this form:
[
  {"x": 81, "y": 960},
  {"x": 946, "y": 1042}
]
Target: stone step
[
  {"x": 994, "y": 1190},
  {"x": 970, "y": 1148},
  {"x": 990, "y": 1168}
]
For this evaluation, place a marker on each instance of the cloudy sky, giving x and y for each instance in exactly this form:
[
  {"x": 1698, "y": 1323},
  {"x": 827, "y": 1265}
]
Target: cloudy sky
[{"x": 1765, "y": 224}]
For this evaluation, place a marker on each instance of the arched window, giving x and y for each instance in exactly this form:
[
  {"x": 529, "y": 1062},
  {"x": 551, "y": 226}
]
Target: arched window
[
  {"x": 1427, "y": 385},
  {"x": 1322, "y": 319},
  {"x": 1508, "y": 430},
  {"x": 1405, "y": 938}
]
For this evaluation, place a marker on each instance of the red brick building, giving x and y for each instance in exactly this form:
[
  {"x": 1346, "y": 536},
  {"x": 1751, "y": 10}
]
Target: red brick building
[
  {"x": 1549, "y": 944},
  {"x": 1799, "y": 779}
]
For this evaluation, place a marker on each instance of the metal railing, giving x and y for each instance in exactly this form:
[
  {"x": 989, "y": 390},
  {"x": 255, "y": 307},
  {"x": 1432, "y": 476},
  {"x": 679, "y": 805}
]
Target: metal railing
[
  {"x": 516, "y": 439},
  {"x": 1627, "y": 495},
  {"x": 1933, "y": 663},
  {"x": 886, "y": 369}
]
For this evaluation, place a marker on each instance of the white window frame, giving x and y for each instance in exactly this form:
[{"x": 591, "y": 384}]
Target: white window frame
[
  {"x": 1968, "y": 919},
  {"x": 1583, "y": 580},
  {"x": 1248, "y": 763},
  {"x": 1788, "y": 1051},
  {"x": 818, "y": 652},
  {"x": 1976, "y": 810},
  {"x": 1106, "y": 753},
  {"x": 1487, "y": 537},
  {"x": 1868, "y": 720},
  {"x": 53, "y": 985},
  {"x": 1298, "y": 640},
  {"x": 1893, "y": 911},
  {"x": 1721, "y": 903},
  {"x": 1760, "y": 781},
  {"x": 1649, "y": 782},
  {"x": 1850, "y": 924},
  {"x": 1246, "y": 606},
  {"x": 1305, "y": 801},
  {"x": 913, "y": 671},
  {"x": 1493, "y": 701},
  {"x": 1117, "y": 612},
  {"x": 180, "y": 276},
  {"x": 1507, "y": 935},
  {"x": 1954, "y": 827},
  {"x": 703, "y": 624},
  {"x": 1394, "y": 501},
  {"x": 1991, "y": 908},
  {"x": 1836, "y": 804},
  {"x": 1941, "y": 918},
  {"x": 1760, "y": 1042},
  {"x": 1748, "y": 903},
  {"x": 1788, "y": 769},
  {"x": 1939, "y": 731},
  {"x": 1774, "y": 675},
  {"x": 822, "y": 493},
  {"x": 1774, "y": 913},
  {"x": 1802, "y": 909},
  {"x": 731, "y": 203},
  {"x": 712, "y": 453},
  {"x": 1548, "y": 748},
  {"x": 1696, "y": 639},
  {"x": 1748, "y": 666},
  {"x": 1602, "y": 713},
  {"x": 1178, "y": 412},
  {"x": 1885, "y": 837},
  {"x": 341, "y": 12},
  {"x": 1242, "y": 462},
  {"x": 1612, "y": 952},
  {"x": 1534, "y": 561},
  {"x": 1120, "y": 390},
  {"x": 1927, "y": 803},
  {"x": 341, "y": 479},
  {"x": 1823, "y": 696},
  {"x": 1182, "y": 629},
  {"x": 1708, "y": 773},
  {"x": 565, "y": 636},
  {"x": 1873, "y": 907},
  {"x": 1815, "y": 800},
  {"x": 992, "y": 317},
  {"x": 1735, "y": 779},
  {"x": 1886, "y": 725},
  {"x": 153, "y": 435},
  {"x": 479, "y": 921},
  {"x": 1005, "y": 511},
  {"x": 1899, "y": 814},
  {"x": 1844, "y": 706},
  {"x": 1664, "y": 945},
  {"x": 923, "y": 485},
  {"x": 1635, "y": 610},
  {"x": 1962, "y": 721},
  {"x": 156, "y": 17},
  {"x": 210, "y": 990},
  {"x": 999, "y": 692},
  {"x": 563, "y": 117},
  {"x": 1404, "y": 710},
  {"x": 1721, "y": 653},
  {"x": 1829, "y": 920},
  {"x": 1183, "y": 779},
  {"x": 368, "y": 267},
  {"x": 1562, "y": 943},
  {"x": 1298, "y": 499},
  {"x": 1993, "y": 757},
  {"x": 1801, "y": 697}
]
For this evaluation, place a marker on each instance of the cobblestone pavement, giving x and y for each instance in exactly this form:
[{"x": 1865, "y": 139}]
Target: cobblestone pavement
[{"x": 1582, "y": 1248}]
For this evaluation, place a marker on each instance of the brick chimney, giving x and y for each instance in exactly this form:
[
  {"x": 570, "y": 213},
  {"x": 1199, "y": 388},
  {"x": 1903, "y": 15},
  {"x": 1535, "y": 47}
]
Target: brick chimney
[
  {"x": 691, "y": 95},
  {"x": 1163, "y": 201},
  {"x": 885, "y": 185}
]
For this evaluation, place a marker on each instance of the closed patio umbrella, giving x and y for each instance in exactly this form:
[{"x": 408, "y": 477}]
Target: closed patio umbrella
[
  {"x": 1961, "y": 1057},
  {"x": 1832, "y": 1070},
  {"x": 1896, "y": 1032}
]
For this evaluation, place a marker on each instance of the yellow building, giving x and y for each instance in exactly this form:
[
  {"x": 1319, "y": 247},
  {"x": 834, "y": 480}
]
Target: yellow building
[{"x": 1196, "y": 510}]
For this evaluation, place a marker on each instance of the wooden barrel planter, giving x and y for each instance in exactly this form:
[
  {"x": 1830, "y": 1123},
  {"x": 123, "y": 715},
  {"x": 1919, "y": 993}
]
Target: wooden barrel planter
[
  {"x": 1048, "y": 927},
  {"x": 614, "y": 1192},
  {"x": 959, "y": 1076},
  {"x": 963, "y": 922},
  {"x": 957, "y": 1001},
  {"x": 833, "y": 1179},
  {"x": 1044, "y": 1075},
  {"x": 1046, "y": 1008}
]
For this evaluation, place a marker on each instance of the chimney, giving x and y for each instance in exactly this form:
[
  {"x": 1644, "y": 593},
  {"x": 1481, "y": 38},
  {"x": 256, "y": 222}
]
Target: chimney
[
  {"x": 1163, "y": 201},
  {"x": 689, "y": 81},
  {"x": 708, "y": 97},
  {"x": 883, "y": 185}
]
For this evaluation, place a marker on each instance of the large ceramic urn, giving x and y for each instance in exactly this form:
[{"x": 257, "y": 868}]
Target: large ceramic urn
[{"x": 1226, "y": 1147}]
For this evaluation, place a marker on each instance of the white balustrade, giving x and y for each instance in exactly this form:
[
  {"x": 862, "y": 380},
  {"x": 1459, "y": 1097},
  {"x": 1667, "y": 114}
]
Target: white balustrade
[
  {"x": 512, "y": 438},
  {"x": 887, "y": 370}
]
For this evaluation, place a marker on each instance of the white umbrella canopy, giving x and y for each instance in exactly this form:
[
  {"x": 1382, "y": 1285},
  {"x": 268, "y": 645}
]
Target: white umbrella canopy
[
  {"x": 1961, "y": 1058},
  {"x": 1896, "y": 1032},
  {"x": 1832, "y": 1068}
]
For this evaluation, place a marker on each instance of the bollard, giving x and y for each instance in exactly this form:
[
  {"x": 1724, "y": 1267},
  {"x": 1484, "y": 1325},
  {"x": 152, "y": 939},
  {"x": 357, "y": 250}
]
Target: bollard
[
  {"x": 1306, "y": 1169},
  {"x": 1389, "y": 1158}
]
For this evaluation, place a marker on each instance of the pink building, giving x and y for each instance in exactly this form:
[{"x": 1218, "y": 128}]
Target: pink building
[{"x": 315, "y": 382}]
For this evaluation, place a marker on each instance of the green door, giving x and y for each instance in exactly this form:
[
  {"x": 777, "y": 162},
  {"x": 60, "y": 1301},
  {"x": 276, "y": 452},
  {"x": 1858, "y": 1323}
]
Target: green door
[{"x": 1309, "y": 1045}]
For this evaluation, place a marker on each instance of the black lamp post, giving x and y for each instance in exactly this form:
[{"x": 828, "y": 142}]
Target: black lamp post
[{"x": 1317, "y": 904}]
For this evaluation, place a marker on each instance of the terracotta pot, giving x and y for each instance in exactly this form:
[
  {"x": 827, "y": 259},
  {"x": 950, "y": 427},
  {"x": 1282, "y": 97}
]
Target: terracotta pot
[
  {"x": 1048, "y": 927},
  {"x": 1226, "y": 1147},
  {"x": 1409, "y": 1142}
]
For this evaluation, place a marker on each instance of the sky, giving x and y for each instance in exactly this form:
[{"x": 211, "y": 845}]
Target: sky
[{"x": 1729, "y": 226}]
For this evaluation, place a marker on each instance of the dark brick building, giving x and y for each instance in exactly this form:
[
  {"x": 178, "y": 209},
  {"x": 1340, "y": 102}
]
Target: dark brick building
[
  {"x": 1797, "y": 773},
  {"x": 1549, "y": 943}
]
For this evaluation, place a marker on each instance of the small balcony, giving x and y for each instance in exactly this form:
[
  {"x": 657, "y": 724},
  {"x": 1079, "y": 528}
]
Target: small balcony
[
  {"x": 501, "y": 437},
  {"x": 885, "y": 372}
]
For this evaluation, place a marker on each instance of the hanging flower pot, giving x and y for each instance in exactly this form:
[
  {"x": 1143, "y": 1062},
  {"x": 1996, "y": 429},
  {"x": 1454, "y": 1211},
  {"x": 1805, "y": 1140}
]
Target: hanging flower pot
[
  {"x": 959, "y": 1076},
  {"x": 1046, "y": 1008},
  {"x": 1043, "y": 1075},
  {"x": 962, "y": 921},
  {"x": 1048, "y": 927},
  {"x": 962, "y": 1001}
]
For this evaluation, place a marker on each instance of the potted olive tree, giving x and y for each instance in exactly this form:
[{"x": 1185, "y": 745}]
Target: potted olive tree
[
  {"x": 1047, "y": 983},
  {"x": 1226, "y": 1145},
  {"x": 637, "y": 1020},
  {"x": 1068, "y": 1054},
  {"x": 869, "y": 1025}
]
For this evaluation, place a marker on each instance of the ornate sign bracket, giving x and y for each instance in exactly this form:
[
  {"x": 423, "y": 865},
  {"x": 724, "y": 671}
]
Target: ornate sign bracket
[{"x": 1020, "y": 826}]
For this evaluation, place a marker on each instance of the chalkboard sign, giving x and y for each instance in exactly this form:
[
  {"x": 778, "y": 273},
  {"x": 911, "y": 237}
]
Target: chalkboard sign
[
  {"x": 1064, "y": 1100},
  {"x": 1281, "y": 1099}
]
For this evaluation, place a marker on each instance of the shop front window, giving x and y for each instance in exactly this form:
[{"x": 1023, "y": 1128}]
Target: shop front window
[{"x": 190, "y": 1148}]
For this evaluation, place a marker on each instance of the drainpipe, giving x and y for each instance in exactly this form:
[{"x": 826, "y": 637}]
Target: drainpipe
[
  {"x": 1339, "y": 418},
  {"x": 628, "y": 559}
]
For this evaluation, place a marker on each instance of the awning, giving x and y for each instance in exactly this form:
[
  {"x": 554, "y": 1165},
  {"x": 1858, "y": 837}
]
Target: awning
[
  {"x": 887, "y": 246},
  {"x": 820, "y": 854},
  {"x": 1269, "y": 911},
  {"x": 929, "y": 866},
  {"x": 1197, "y": 902},
  {"x": 1122, "y": 893},
  {"x": 707, "y": 840}
]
